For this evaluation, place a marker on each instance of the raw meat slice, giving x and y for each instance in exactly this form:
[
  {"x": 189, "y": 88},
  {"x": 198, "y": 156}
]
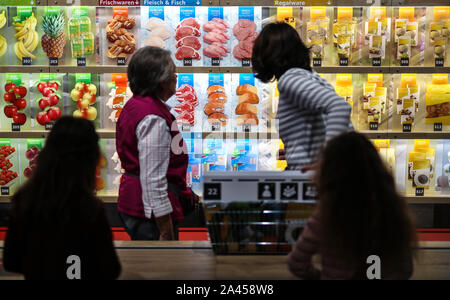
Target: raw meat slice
[
  {"x": 242, "y": 50},
  {"x": 214, "y": 26},
  {"x": 189, "y": 98},
  {"x": 216, "y": 97},
  {"x": 155, "y": 41},
  {"x": 248, "y": 98},
  {"x": 184, "y": 106},
  {"x": 162, "y": 32},
  {"x": 215, "y": 36},
  {"x": 187, "y": 52},
  {"x": 244, "y": 28},
  {"x": 190, "y": 22},
  {"x": 154, "y": 22},
  {"x": 190, "y": 41},
  {"x": 246, "y": 108},
  {"x": 214, "y": 51},
  {"x": 218, "y": 118},
  {"x": 215, "y": 89},
  {"x": 185, "y": 88},
  {"x": 213, "y": 108},
  {"x": 221, "y": 21},
  {"x": 185, "y": 31},
  {"x": 221, "y": 46},
  {"x": 186, "y": 118}
]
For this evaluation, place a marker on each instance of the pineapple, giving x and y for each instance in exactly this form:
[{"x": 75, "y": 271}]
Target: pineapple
[{"x": 54, "y": 39}]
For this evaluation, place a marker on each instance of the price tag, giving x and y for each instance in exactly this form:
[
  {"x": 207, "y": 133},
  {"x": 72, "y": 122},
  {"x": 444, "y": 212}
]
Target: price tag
[
  {"x": 246, "y": 62},
  {"x": 26, "y": 61},
  {"x": 121, "y": 61},
  {"x": 343, "y": 62},
  {"x": 404, "y": 62},
  {"x": 53, "y": 61},
  {"x": 317, "y": 62},
  {"x": 5, "y": 190},
  {"x": 373, "y": 126},
  {"x": 186, "y": 127},
  {"x": 215, "y": 127},
  {"x": 437, "y": 126},
  {"x": 49, "y": 126},
  {"x": 81, "y": 61},
  {"x": 266, "y": 191},
  {"x": 420, "y": 192},
  {"x": 215, "y": 62},
  {"x": 187, "y": 62},
  {"x": 439, "y": 62},
  {"x": 376, "y": 62},
  {"x": 212, "y": 191},
  {"x": 246, "y": 127},
  {"x": 407, "y": 127},
  {"x": 15, "y": 127}
]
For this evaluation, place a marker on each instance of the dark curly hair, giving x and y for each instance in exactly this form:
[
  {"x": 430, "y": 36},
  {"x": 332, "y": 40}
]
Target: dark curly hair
[{"x": 277, "y": 49}]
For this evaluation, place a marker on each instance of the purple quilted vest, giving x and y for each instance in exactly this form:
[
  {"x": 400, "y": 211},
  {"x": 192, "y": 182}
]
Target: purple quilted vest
[{"x": 130, "y": 192}]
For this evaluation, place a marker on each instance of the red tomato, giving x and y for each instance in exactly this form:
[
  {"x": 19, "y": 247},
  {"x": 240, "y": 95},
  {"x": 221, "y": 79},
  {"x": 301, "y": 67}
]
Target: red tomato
[
  {"x": 20, "y": 90},
  {"x": 9, "y": 97},
  {"x": 47, "y": 91},
  {"x": 42, "y": 118},
  {"x": 54, "y": 113},
  {"x": 54, "y": 99},
  {"x": 20, "y": 118},
  {"x": 41, "y": 86},
  {"x": 10, "y": 111},
  {"x": 20, "y": 104},
  {"x": 53, "y": 84},
  {"x": 44, "y": 102},
  {"x": 9, "y": 87}
]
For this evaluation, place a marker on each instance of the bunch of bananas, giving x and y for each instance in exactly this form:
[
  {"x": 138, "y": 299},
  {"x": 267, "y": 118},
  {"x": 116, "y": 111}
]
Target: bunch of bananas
[
  {"x": 3, "y": 43},
  {"x": 27, "y": 37}
]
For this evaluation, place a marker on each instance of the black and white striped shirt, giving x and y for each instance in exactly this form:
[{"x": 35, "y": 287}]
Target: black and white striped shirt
[{"x": 309, "y": 114}]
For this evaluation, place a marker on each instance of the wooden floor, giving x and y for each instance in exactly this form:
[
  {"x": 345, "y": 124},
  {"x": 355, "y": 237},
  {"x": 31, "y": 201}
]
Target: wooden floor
[{"x": 196, "y": 261}]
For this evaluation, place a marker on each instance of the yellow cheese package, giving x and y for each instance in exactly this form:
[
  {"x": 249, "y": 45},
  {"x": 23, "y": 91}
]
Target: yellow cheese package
[
  {"x": 421, "y": 174},
  {"x": 413, "y": 156},
  {"x": 381, "y": 93},
  {"x": 404, "y": 47},
  {"x": 369, "y": 92},
  {"x": 374, "y": 111},
  {"x": 400, "y": 28},
  {"x": 387, "y": 153},
  {"x": 377, "y": 46},
  {"x": 437, "y": 101},
  {"x": 430, "y": 154}
]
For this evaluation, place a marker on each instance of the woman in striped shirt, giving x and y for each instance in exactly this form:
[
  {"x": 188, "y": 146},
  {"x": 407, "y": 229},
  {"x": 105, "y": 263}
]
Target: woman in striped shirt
[{"x": 309, "y": 110}]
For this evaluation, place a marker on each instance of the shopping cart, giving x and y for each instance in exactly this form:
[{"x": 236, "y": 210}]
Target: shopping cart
[{"x": 256, "y": 212}]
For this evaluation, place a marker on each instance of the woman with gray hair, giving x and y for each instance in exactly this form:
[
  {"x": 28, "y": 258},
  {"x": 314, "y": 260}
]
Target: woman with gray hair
[{"x": 154, "y": 184}]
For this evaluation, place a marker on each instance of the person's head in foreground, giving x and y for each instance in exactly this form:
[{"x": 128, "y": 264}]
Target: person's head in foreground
[
  {"x": 359, "y": 209},
  {"x": 277, "y": 49},
  {"x": 152, "y": 73},
  {"x": 63, "y": 183}
]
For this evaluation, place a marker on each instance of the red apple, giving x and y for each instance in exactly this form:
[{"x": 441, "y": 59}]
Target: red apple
[
  {"x": 41, "y": 86},
  {"x": 20, "y": 91},
  {"x": 54, "y": 99},
  {"x": 44, "y": 102},
  {"x": 54, "y": 85},
  {"x": 27, "y": 172},
  {"x": 54, "y": 113},
  {"x": 9, "y": 97},
  {"x": 9, "y": 87},
  {"x": 48, "y": 91},
  {"x": 20, "y": 118},
  {"x": 10, "y": 111},
  {"x": 42, "y": 118},
  {"x": 20, "y": 104}
]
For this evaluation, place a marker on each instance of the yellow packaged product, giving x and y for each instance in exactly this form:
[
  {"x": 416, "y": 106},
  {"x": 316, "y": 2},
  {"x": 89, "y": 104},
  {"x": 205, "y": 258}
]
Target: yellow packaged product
[
  {"x": 404, "y": 47},
  {"x": 421, "y": 174},
  {"x": 369, "y": 92},
  {"x": 374, "y": 111},
  {"x": 412, "y": 156}
]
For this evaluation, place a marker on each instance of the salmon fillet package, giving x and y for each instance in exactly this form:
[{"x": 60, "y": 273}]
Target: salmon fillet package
[
  {"x": 216, "y": 108},
  {"x": 216, "y": 37},
  {"x": 187, "y": 25},
  {"x": 246, "y": 24},
  {"x": 246, "y": 92},
  {"x": 186, "y": 102},
  {"x": 156, "y": 29}
]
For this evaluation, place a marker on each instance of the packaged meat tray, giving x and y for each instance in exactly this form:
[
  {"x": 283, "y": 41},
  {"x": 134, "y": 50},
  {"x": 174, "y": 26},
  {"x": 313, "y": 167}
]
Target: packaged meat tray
[
  {"x": 187, "y": 32},
  {"x": 217, "y": 33},
  {"x": 216, "y": 109},
  {"x": 186, "y": 102},
  {"x": 246, "y": 23},
  {"x": 246, "y": 95},
  {"x": 156, "y": 27}
]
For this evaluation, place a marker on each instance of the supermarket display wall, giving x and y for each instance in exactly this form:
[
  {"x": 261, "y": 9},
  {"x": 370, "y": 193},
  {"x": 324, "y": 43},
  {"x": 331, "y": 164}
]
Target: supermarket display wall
[{"x": 390, "y": 62}]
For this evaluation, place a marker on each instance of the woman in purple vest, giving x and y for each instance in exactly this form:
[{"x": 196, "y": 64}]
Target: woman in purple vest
[{"x": 151, "y": 150}]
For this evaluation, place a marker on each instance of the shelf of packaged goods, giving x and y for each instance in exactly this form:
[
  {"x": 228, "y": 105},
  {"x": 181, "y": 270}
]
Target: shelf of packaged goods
[
  {"x": 436, "y": 199},
  {"x": 405, "y": 135},
  {"x": 118, "y": 2},
  {"x": 123, "y": 69},
  {"x": 418, "y": 3},
  {"x": 39, "y": 134},
  {"x": 240, "y": 135}
]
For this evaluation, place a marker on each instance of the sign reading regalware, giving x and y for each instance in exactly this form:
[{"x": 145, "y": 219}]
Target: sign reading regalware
[
  {"x": 303, "y": 3},
  {"x": 119, "y": 2},
  {"x": 171, "y": 2}
]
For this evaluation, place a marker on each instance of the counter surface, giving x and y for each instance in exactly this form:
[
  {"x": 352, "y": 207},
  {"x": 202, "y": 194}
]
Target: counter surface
[{"x": 196, "y": 261}]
